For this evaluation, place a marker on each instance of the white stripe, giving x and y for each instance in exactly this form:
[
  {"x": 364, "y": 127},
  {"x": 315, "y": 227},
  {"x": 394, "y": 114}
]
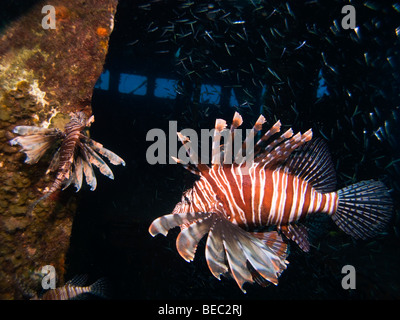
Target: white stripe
[
  {"x": 327, "y": 203},
  {"x": 282, "y": 202},
  {"x": 220, "y": 186},
  {"x": 239, "y": 185},
  {"x": 302, "y": 198},
  {"x": 206, "y": 191},
  {"x": 275, "y": 183},
  {"x": 333, "y": 203},
  {"x": 232, "y": 198},
  {"x": 198, "y": 202},
  {"x": 262, "y": 189},
  {"x": 252, "y": 175},
  {"x": 312, "y": 202},
  {"x": 295, "y": 197},
  {"x": 64, "y": 292},
  {"x": 319, "y": 202}
]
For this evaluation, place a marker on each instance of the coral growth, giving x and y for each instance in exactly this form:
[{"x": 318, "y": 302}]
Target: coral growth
[{"x": 45, "y": 75}]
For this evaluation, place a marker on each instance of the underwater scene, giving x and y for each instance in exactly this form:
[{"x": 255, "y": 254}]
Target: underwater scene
[{"x": 171, "y": 150}]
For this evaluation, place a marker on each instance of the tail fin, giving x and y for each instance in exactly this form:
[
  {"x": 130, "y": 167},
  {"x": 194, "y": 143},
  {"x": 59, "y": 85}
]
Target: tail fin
[
  {"x": 364, "y": 209},
  {"x": 228, "y": 248},
  {"x": 53, "y": 188},
  {"x": 100, "y": 288},
  {"x": 33, "y": 205}
]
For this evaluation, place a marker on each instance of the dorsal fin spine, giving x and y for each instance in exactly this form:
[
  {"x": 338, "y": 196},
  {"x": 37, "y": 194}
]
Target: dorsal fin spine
[
  {"x": 195, "y": 167},
  {"x": 249, "y": 153},
  {"x": 313, "y": 163},
  {"x": 217, "y": 152},
  {"x": 228, "y": 148}
]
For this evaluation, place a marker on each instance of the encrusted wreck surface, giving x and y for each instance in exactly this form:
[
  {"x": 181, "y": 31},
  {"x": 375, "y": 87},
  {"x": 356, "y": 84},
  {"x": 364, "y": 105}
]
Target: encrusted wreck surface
[{"x": 44, "y": 75}]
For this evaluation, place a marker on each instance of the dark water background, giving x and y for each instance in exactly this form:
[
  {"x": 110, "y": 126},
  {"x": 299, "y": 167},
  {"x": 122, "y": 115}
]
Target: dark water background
[{"x": 361, "y": 70}]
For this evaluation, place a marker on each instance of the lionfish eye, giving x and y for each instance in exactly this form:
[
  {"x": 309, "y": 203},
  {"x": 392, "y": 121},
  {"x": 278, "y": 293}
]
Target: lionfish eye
[{"x": 186, "y": 199}]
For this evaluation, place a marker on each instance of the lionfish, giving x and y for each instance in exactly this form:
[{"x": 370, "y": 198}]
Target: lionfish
[
  {"x": 74, "y": 157},
  {"x": 74, "y": 289},
  {"x": 290, "y": 178}
]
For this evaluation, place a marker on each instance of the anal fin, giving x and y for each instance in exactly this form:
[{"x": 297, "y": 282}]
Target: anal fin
[
  {"x": 272, "y": 240},
  {"x": 297, "y": 233}
]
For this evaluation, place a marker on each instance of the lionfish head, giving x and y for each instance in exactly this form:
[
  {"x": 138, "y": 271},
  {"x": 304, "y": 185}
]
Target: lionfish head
[
  {"x": 82, "y": 118},
  {"x": 184, "y": 205}
]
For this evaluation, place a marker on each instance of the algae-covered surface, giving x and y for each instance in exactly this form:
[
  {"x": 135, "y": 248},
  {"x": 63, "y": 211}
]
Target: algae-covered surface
[{"x": 44, "y": 75}]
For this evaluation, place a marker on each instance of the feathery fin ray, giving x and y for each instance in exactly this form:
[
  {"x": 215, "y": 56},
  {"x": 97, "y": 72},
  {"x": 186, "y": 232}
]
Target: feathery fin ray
[
  {"x": 228, "y": 247},
  {"x": 364, "y": 209}
]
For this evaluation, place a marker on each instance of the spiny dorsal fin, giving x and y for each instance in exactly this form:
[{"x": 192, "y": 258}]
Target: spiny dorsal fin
[
  {"x": 279, "y": 150},
  {"x": 187, "y": 144},
  {"x": 312, "y": 162},
  {"x": 217, "y": 151},
  {"x": 274, "y": 129},
  {"x": 188, "y": 166},
  {"x": 237, "y": 120},
  {"x": 228, "y": 147},
  {"x": 194, "y": 167},
  {"x": 243, "y": 154}
]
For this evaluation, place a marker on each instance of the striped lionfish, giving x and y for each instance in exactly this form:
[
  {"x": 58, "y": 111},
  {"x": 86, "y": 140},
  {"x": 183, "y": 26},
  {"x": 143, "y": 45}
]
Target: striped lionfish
[
  {"x": 74, "y": 289},
  {"x": 72, "y": 160},
  {"x": 291, "y": 178}
]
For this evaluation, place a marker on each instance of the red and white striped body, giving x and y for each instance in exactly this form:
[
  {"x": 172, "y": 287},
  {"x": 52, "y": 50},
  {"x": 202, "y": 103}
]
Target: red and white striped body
[
  {"x": 68, "y": 149},
  {"x": 66, "y": 292},
  {"x": 263, "y": 197}
]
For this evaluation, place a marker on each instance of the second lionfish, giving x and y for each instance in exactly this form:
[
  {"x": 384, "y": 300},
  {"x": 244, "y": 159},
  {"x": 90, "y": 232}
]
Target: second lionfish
[
  {"x": 291, "y": 178},
  {"x": 75, "y": 289},
  {"x": 73, "y": 159}
]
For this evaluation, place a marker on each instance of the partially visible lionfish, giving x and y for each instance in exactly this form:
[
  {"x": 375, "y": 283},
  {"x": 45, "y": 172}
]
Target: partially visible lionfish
[
  {"x": 72, "y": 160},
  {"x": 292, "y": 177},
  {"x": 74, "y": 289}
]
